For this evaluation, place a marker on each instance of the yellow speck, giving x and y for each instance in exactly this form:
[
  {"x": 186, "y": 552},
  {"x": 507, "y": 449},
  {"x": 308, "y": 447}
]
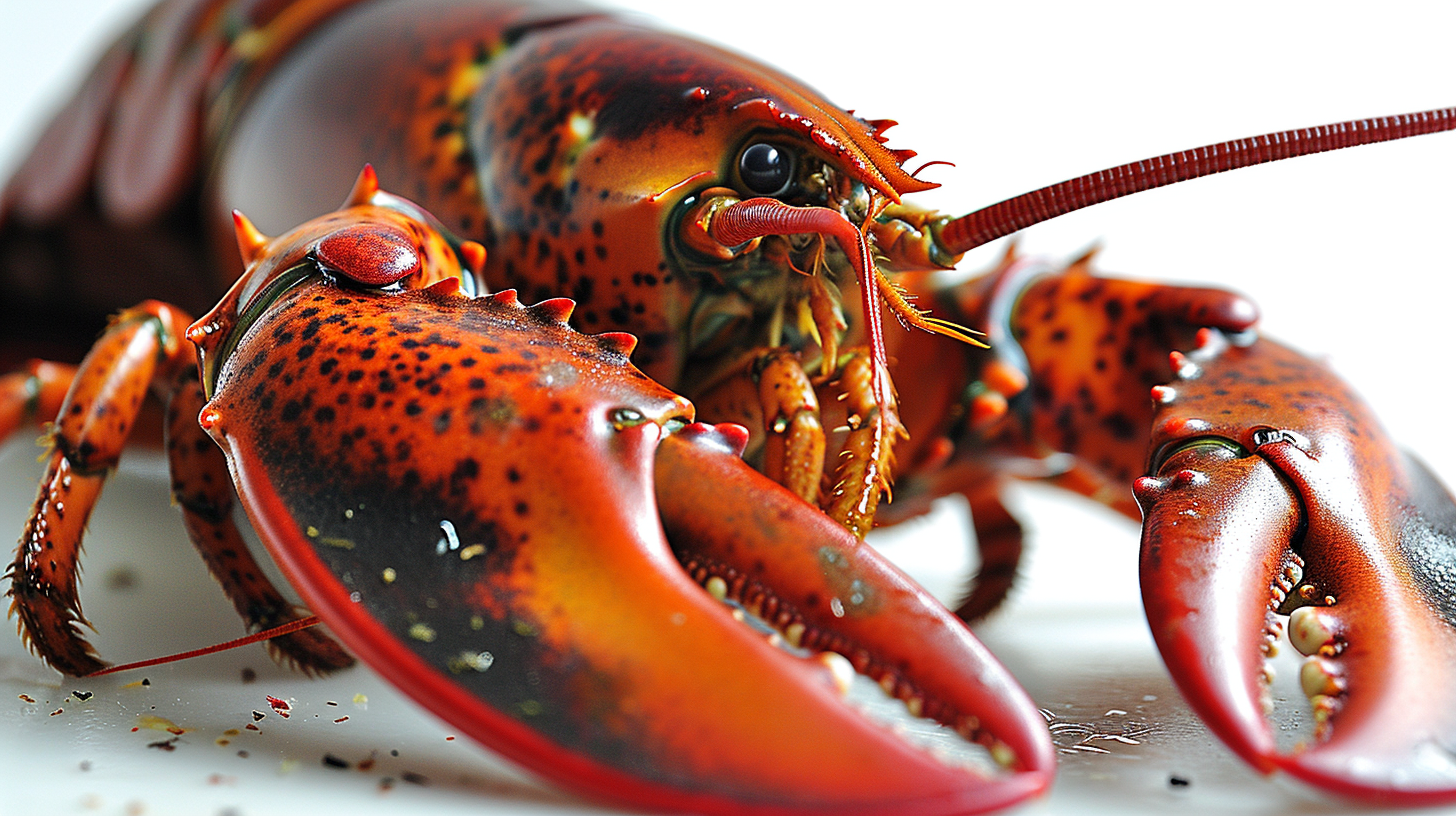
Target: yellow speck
[
  {"x": 388, "y": 575},
  {"x": 361, "y": 700},
  {"x": 158, "y": 724},
  {"x": 464, "y": 83},
  {"x": 523, "y": 628},
  {"x": 311, "y": 531},
  {"x": 530, "y": 707},
  {"x": 472, "y": 551},
  {"x": 348, "y": 512},
  {"x": 1002, "y": 754},
  {"x": 250, "y": 44},
  {"x": 341, "y": 543},
  {"x": 422, "y": 633},
  {"x": 477, "y": 622}
]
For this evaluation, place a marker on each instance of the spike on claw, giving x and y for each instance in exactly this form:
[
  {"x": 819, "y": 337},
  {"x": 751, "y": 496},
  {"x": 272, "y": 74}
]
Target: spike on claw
[
  {"x": 365, "y": 188},
  {"x": 555, "y": 310},
  {"x": 445, "y": 286},
  {"x": 620, "y": 342},
  {"x": 473, "y": 256},
  {"x": 250, "y": 241}
]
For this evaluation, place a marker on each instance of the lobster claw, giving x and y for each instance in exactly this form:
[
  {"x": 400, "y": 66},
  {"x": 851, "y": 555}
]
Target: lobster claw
[
  {"x": 480, "y": 526},
  {"x": 1275, "y": 492},
  {"x": 790, "y": 564}
]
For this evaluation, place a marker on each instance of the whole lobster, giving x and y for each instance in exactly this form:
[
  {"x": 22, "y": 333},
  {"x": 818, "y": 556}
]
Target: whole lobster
[{"x": 904, "y": 388}]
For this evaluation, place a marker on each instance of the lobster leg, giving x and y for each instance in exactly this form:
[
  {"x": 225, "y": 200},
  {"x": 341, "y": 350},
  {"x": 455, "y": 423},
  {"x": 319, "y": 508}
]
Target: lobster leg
[
  {"x": 867, "y": 456},
  {"x": 202, "y": 488},
  {"x": 143, "y": 350},
  {"x": 772, "y": 391},
  {"x": 33, "y": 393},
  {"x": 143, "y": 345},
  {"x": 1276, "y": 491},
  {"x": 794, "y": 448}
]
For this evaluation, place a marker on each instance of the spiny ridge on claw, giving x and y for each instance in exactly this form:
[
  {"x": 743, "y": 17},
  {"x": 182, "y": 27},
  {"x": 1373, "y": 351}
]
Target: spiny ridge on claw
[
  {"x": 250, "y": 241},
  {"x": 620, "y": 342},
  {"x": 472, "y": 254},
  {"x": 554, "y": 310},
  {"x": 364, "y": 190}
]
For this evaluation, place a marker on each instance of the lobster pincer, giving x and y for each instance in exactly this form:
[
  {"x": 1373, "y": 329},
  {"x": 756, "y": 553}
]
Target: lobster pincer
[
  {"x": 472, "y": 496},
  {"x": 1277, "y": 493}
]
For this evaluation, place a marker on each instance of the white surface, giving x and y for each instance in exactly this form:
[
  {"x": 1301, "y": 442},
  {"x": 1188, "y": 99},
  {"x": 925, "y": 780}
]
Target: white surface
[{"x": 1350, "y": 255}]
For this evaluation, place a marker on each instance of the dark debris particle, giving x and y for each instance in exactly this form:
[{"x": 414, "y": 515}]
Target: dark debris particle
[
  {"x": 242, "y": 754},
  {"x": 85, "y": 764},
  {"x": 258, "y": 715},
  {"x": 1176, "y": 781},
  {"x": 83, "y": 696},
  {"x": 27, "y": 698},
  {"x": 394, "y": 752},
  {"x": 386, "y": 783},
  {"x": 331, "y": 761},
  {"x": 249, "y": 675},
  {"x": 165, "y": 745},
  {"x": 415, "y": 778},
  {"x": 57, "y": 711},
  {"x": 121, "y": 579},
  {"x": 280, "y": 707}
]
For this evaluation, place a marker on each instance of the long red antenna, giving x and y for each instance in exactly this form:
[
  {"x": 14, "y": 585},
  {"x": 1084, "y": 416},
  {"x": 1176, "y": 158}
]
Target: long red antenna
[
  {"x": 1013, "y": 214},
  {"x": 266, "y": 634}
]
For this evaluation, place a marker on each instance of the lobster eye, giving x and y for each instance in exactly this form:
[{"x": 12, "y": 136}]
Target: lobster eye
[
  {"x": 766, "y": 169},
  {"x": 376, "y": 255}
]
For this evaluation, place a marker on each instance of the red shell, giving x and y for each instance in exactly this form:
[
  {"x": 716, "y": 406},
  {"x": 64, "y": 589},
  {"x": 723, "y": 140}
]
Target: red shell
[{"x": 377, "y": 255}]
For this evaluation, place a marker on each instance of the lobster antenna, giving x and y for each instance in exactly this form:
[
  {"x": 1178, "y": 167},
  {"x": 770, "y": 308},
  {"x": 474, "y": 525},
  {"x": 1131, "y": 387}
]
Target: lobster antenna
[
  {"x": 1013, "y": 214},
  {"x": 266, "y": 634}
]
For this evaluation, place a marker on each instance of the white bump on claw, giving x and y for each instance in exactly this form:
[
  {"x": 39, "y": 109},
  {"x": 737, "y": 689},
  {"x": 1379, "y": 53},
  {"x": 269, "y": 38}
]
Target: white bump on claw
[
  {"x": 1310, "y": 630},
  {"x": 717, "y": 587},
  {"x": 1319, "y": 678},
  {"x": 841, "y": 671},
  {"x": 794, "y": 633}
]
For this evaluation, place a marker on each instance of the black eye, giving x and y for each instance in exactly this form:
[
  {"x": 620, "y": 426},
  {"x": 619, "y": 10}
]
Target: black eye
[{"x": 765, "y": 168}]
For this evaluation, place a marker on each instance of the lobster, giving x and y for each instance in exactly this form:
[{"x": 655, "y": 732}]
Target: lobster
[{"x": 1259, "y": 754}]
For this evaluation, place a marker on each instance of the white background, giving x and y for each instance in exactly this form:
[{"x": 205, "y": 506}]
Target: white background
[{"x": 1349, "y": 255}]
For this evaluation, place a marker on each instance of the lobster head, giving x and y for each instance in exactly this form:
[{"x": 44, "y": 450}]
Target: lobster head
[
  {"x": 753, "y": 179},
  {"x": 468, "y": 492}
]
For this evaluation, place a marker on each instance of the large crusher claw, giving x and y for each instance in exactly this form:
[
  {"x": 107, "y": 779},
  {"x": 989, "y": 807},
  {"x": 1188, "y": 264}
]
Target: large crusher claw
[
  {"x": 510, "y": 573},
  {"x": 1275, "y": 492}
]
